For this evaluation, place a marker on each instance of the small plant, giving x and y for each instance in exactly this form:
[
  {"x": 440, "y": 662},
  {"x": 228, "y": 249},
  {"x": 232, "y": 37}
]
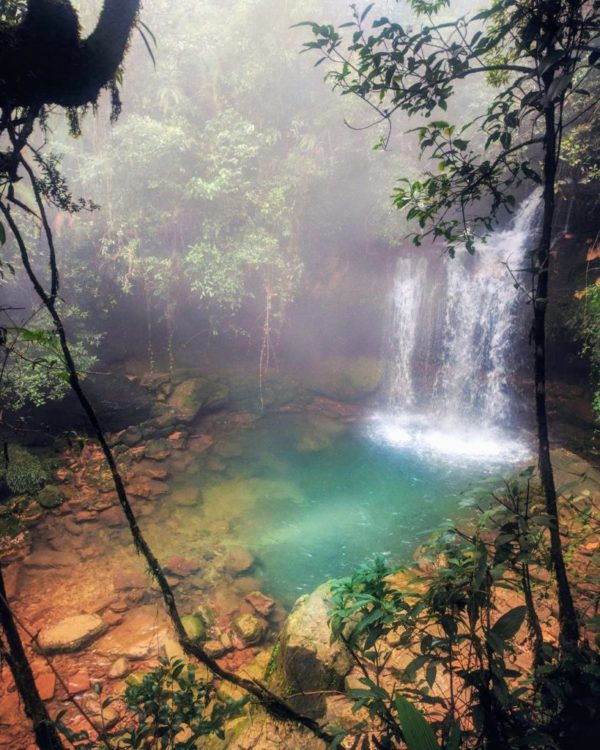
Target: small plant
[{"x": 169, "y": 708}]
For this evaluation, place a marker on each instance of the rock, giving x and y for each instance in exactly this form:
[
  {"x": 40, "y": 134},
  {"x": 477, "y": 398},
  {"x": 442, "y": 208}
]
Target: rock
[
  {"x": 173, "y": 649},
  {"x": 46, "y": 685},
  {"x": 130, "y": 437},
  {"x": 181, "y": 566},
  {"x": 187, "y": 496},
  {"x": 248, "y": 629},
  {"x": 118, "y": 668},
  {"x": 11, "y": 580},
  {"x": 199, "y": 444},
  {"x": 307, "y": 661},
  {"x": 194, "y": 627},
  {"x": 262, "y": 603},
  {"x": 70, "y": 634},
  {"x": 79, "y": 682},
  {"x": 148, "y": 489},
  {"x": 112, "y": 517},
  {"x": 196, "y": 395},
  {"x": 238, "y": 560},
  {"x": 50, "y": 496},
  {"x": 214, "y": 649},
  {"x": 102, "y": 717},
  {"x": 125, "y": 580},
  {"x": 319, "y": 433},
  {"x": 140, "y": 635},
  {"x": 157, "y": 450},
  {"x": 347, "y": 379}
]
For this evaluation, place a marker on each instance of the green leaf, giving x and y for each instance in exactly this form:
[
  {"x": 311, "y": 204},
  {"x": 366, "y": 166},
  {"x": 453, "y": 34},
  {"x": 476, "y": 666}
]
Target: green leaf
[
  {"x": 508, "y": 625},
  {"x": 2, "y": 234},
  {"x": 418, "y": 735}
]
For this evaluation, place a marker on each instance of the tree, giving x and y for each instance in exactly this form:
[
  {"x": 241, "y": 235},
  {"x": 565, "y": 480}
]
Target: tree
[{"x": 538, "y": 56}]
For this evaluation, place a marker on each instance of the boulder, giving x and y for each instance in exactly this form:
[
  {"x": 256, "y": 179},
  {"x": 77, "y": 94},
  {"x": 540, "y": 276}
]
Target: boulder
[
  {"x": 194, "y": 627},
  {"x": 248, "y": 629},
  {"x": 347, "y": 379},
  {"x": 50, "y": 496},
  {"x": 196, "y": 395},
  {"x": 307, "y": 660},
  {"x": 70, "y": 634},
  {"x": 187, "y": 496}
]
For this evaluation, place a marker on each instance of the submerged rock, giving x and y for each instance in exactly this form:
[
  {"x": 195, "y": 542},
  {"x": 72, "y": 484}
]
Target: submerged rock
[
  {"x": 142, "y": 634},
  {"x": 249, "y": 629},
  {"x": 238, "y": 560},
  {"x": 307, "y": 660},
  {"x": 70, "y": 634}
]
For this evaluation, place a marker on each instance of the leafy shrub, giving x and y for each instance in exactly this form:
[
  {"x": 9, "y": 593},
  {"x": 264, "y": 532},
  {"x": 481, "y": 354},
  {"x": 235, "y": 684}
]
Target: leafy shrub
[
  {"x": 169, "y": 708},
  {"x": 446, "y": 640},
  {"x": 24, "y": 473}
]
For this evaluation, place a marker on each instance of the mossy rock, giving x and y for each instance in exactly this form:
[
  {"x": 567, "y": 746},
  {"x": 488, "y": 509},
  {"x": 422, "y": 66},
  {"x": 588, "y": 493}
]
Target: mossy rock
[
  {"x": 50, "y": 496},
  {"x": 25, "y": 473},
  {"x": 347, "y": 379},
  {"x": 196, "y": 395},
  {"x": 195, "y": 627}
]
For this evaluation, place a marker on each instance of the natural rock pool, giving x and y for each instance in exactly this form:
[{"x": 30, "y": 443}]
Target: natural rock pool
[{"x": 312, "y": 497}]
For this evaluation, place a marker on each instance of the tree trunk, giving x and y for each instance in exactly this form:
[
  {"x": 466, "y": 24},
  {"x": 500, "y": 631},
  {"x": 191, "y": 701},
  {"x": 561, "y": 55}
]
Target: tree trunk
[
  {"x": 569, "y": 630},
  {"x": 44, "y": 728}
]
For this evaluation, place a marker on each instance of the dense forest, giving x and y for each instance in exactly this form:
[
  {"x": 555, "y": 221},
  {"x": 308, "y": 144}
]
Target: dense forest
[{"x": 299, "y": 374}]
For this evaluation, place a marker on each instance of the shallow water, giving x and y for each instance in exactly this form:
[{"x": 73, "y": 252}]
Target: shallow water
[{"x": 313, "y": 498}]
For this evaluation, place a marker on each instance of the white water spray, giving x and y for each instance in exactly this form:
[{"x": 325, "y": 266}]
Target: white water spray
[{"x": 452, "y": 347}]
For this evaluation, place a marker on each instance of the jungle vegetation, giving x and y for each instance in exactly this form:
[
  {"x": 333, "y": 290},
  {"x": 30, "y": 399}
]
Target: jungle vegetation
[{"x": 541, "y": 62}]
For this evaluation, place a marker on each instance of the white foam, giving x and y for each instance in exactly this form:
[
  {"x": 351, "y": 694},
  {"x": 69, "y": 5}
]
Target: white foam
[{"x": 448, "y": 440}]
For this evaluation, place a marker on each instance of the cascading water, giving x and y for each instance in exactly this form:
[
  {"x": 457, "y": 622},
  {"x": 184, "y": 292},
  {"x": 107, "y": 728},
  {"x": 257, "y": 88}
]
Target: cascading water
[{"x": 452, "y": 343}]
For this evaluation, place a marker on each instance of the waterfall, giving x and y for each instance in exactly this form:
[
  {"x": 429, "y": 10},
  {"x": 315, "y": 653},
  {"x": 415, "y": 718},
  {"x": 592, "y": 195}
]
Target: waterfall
[{"x": 451, "y": 346}]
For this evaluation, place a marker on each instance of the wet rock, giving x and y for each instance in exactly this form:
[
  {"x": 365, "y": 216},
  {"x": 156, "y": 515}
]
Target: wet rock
[
  {"x": 157, "y": 450},
  {"x": 262, "y": 603},
  {"x": 214, "y": 649},
  {"x": 102, "y": 717},
  {"x": 70, "y": 634},
  {"x": 318, "y": 433},
  {"x": 50, "y": 559},
  {"x": 148, "y": 489},
  {"x": 307, "y": 661},
  {"x": 196, "y": 395},
  {"x": 118, "y": 668},
  {"x": 125, "y": 580},
  {"x": 46, "y": 685},
  {"x": 249, "y": 629},
  {"x": 112, "y": 517},
  {"x": 79, "y": 682},
  {"x": 131, "y": 437},
  {"x": 194, "y": 626},
  {"x": 140, "y": 635},
  {"x": 50, "y": 496},
  {"x": 238, "y": 560},
  {"x": 181, "y": 566},
  {"x": 173, "y": 649}
]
